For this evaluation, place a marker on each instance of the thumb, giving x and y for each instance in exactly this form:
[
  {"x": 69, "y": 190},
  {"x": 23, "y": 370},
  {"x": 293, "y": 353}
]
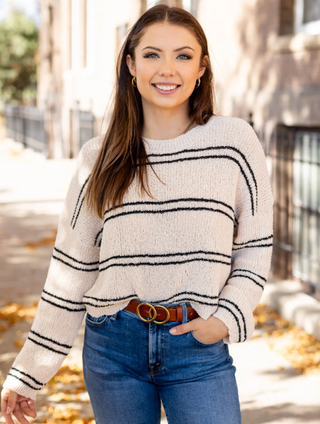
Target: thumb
[{"x": 11, "y": 402}]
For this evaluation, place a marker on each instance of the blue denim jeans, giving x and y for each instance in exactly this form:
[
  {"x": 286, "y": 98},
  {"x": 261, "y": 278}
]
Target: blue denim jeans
[{"x": 129, "y": 365}]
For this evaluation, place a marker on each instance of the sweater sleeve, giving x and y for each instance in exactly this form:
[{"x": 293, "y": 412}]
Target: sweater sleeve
[
  {"x": 252, "y": 243},
  {"x": 72, "y": 272}
]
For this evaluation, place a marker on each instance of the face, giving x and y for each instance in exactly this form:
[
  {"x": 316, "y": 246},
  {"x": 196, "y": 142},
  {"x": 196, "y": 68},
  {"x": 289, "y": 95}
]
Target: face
[{"x": 166, "y": 66}]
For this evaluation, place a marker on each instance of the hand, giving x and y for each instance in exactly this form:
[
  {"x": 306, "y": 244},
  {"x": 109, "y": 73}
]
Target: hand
[
  {"x": 207, "y": 331},
  {"x": 19, "y": 405}
]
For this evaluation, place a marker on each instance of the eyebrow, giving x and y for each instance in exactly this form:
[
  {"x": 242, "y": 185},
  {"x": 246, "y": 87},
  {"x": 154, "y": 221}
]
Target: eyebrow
[{"x": 159, "y": 50}]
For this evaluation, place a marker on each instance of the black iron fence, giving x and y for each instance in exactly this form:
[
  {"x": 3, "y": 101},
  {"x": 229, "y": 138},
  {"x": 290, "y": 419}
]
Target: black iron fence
[
  {"x": 295, "y": 153},
  {"x": 84, "y": 123},
  {"x": 26, "y": 125}
]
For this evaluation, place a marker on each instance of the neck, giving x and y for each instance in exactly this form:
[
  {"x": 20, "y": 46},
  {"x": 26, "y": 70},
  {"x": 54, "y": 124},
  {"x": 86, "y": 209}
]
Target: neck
[{"x": 163, "y": 125}]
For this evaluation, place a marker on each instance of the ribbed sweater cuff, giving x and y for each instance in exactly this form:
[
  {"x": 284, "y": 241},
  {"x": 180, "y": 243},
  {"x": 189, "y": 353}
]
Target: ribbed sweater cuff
[{"x": 25, "y": 387}]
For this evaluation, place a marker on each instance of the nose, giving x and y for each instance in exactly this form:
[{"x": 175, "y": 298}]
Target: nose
[{"x": 167, "y": 67}]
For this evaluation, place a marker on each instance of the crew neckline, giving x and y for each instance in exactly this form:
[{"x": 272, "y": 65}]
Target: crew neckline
[{"x": 182, "y": 140}]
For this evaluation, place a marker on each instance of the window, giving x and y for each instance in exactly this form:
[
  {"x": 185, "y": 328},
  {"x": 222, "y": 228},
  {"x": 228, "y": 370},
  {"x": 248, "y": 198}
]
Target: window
[
  {"x": 307, "y": 16},
  {"x": 286, "y": 17}
]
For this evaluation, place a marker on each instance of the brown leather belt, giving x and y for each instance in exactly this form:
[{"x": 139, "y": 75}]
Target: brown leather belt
[{"x": 149, "y": 313}]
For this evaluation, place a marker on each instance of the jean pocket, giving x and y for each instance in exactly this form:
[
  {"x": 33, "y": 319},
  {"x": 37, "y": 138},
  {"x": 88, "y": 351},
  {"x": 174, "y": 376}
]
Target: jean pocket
[
  {"x": 199, "y": 342},
  {"x": 97, "y": 321}
]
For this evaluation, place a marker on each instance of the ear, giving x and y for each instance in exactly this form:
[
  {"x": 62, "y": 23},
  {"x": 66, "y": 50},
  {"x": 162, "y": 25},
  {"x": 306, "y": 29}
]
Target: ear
[
  {"x": 131, "y": 65},
  {"x": 202, "y": 69}
]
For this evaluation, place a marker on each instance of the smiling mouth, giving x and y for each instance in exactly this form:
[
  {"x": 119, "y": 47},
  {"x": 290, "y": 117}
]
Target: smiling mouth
[{"x": 166, "y": 87}]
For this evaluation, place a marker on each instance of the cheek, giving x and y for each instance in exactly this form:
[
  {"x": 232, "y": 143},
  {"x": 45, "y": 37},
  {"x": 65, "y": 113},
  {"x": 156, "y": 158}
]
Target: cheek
[
  {"x": 188, "y": 76},
  {"x": 188, "y": 85},
  {"x": 145, "y": 72}
]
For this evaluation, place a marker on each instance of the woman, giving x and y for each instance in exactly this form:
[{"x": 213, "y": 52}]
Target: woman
[{"x": 169, "y": 276}]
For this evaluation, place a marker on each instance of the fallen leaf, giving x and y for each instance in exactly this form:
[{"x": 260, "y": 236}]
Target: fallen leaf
[
  {"x": 301, "y": 349},
  {"x": 45, "y": 241}
]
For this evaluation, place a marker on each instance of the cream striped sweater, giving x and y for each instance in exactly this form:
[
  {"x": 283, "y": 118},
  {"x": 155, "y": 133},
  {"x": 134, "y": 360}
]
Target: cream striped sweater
[{"x": 206, "y": 238}]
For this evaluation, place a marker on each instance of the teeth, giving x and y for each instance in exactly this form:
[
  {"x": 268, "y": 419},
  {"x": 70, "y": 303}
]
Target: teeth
[{"x": 166, "y": 87}]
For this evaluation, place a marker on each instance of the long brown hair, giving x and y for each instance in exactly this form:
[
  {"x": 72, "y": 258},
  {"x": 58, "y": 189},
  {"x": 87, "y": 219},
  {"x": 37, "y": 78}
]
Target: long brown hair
[{"x": 122, "y": 150}]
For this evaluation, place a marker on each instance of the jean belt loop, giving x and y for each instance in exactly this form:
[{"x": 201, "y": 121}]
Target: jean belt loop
[{"x": 184, "y": 313}]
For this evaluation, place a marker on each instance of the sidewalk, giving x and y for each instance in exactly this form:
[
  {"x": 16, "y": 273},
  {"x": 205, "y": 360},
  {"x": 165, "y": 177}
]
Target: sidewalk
[{"x": 32, "y": 190}]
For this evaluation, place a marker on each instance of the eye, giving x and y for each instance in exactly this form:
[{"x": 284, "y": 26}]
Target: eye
[
  {"x": 186, "y": 56},
  {"x": 150, "y": 54}
]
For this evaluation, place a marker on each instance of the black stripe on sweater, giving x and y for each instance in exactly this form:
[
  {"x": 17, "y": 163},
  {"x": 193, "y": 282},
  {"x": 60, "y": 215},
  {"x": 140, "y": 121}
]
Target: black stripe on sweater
[
  {"x": 159, "y": 301},
  {"x": 76, "y": 219},
  {"x": 256, "y": 245},
  {"x": 166, "y": 211},
  {"x": 24, "y": 382},
  {"x": 248, "y": 270},
  {"x": 50, "y": 340},
  {"x": 212, "y": 148},
  {"x": 74, "y": 259},
  {"x": 188, "y": 299},
  {"x": 62, "y": 307},
  {"x": 47, "y": 347},
  {"x": 216, "y": 157},
  {"x": 242, "y": 316},
  {"x": 117, "y": 299},
  {"x": 98, "y": 238},
  {"x": 249, "y": 278},
  {"x": 164, "y": 202},
  {"x": 74, "y": 267},
  {"x": 78, "y": 200},
  {"x": 61, "y": 298},
  {"x": 165, "y": 263},
  {"x": 29, "y": 376},
  {"x": 235, "y": 317},
  {"x": 163, "y": 255},
  {"x": 158, "y": 211},
  {"x": 178, "y": 300},
  {"x": 205, "y": 296},
  {"x": 185, "y": 199},
  {"x": 253, "y": 240}
]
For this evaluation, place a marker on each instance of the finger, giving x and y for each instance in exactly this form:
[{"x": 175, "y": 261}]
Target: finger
[
  {"x": 27, "y": 406},
  {"x": 189, "y": 326},
  {"x": 7, "y": 400},
  {"x": 182, "y": 328},
  {"x": 6, "y": 416},
  {"x": 19, "y": 416},
  {"x": 11, "y": 403}
]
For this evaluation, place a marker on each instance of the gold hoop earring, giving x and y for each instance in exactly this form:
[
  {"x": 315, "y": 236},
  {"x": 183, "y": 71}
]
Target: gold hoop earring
[
  {"x": 198, "y": 83},
  {"x": 134, "y": 81}
]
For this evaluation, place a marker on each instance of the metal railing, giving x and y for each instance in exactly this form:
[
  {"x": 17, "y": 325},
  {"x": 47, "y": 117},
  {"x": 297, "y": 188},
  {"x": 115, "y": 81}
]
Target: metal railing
[
  {"x": 295, "y": 153},
  {"x": 26, "y": 125},
  {"x": 85, "y": 126}
]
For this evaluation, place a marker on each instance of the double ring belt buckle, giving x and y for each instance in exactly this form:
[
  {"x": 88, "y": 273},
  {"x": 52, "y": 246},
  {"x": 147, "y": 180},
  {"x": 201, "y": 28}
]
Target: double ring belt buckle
[{"x": 154, "y": 311}]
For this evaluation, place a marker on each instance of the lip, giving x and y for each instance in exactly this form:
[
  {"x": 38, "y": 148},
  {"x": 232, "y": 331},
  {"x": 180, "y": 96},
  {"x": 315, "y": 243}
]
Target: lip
[
  {"x": 165, "y": 83},
  {"x": 166, "y": 93}
]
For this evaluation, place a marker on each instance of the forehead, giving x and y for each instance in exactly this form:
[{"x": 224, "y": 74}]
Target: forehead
[{"x": 164, "y": 34}]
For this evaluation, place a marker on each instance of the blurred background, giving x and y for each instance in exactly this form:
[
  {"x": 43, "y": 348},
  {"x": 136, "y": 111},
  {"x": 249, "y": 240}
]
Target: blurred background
[{"x": 57, "y": 73}]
